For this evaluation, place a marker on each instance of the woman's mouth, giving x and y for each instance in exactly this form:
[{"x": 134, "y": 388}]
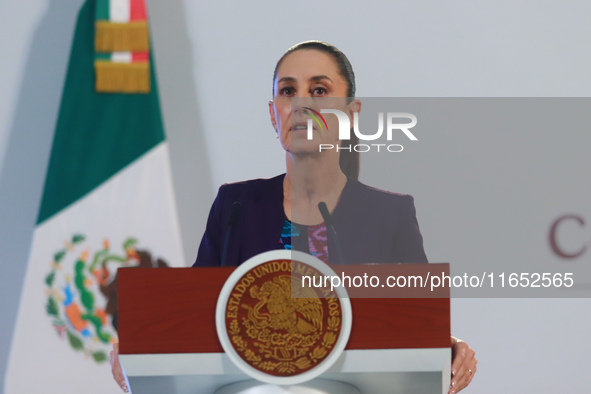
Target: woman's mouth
[{"x": 300, "y": 126}]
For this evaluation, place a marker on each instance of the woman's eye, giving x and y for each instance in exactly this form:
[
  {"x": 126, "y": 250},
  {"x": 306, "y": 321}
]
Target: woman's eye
[
  {"x": 287, "y": 91},
  {"x": 320, "y": 91}
]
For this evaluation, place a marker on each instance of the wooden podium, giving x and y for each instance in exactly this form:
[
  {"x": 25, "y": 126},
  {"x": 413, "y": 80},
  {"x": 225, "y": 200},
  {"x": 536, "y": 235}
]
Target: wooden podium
[{"x": 169, "y": 343}]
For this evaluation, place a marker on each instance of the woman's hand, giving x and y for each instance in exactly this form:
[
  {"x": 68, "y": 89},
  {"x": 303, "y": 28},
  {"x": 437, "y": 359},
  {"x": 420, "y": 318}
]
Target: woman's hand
[
  {"x": 463, "y": 367},
  {"x": 116, "y": 368}
]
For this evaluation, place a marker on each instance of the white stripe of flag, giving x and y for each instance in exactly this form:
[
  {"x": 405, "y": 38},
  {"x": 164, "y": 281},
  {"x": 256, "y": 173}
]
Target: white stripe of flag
[
  {"x": 121, "y": 57},
  {"x": 119, "y": 11}
]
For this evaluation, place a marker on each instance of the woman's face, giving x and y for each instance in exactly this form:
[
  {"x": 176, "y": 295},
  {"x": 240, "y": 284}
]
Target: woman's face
[{"x": 313, "y": 78}]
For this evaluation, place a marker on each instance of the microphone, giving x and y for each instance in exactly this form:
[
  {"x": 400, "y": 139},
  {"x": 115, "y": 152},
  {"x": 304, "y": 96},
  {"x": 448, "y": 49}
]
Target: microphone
[
  {"x": 329, "y": 225},
  {"x": 234, "y": 215}
]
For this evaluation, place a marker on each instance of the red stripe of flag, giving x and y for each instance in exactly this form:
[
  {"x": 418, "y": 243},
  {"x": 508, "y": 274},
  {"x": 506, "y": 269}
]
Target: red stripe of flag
[
  {"x": 137, "y": 57},
  {"x": 137, "y": 10}
]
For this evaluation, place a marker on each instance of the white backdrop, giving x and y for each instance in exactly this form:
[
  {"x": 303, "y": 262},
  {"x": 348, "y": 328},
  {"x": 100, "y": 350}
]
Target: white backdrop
[{"x": 215, "y": 62}]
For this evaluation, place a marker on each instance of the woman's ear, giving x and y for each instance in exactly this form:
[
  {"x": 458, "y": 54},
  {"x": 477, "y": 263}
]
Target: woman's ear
[
  {"x": 272, "y": 114},
  {"x": 354, "y": 106}
]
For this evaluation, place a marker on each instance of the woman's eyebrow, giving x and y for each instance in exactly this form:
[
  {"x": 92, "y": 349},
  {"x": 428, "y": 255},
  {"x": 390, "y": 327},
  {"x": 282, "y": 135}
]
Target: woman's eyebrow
[
  {"x": 313, "y": 79},
  {"x": 319, "y": 77},
  {"x": 287, "y": 79}
]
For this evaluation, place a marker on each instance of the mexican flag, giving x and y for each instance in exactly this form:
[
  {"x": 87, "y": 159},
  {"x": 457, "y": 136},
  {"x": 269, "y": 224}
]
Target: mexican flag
[{"x": 108, "y": 202}]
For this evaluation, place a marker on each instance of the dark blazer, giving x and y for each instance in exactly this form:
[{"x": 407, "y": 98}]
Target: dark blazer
[{"x": 373, "y": 226}]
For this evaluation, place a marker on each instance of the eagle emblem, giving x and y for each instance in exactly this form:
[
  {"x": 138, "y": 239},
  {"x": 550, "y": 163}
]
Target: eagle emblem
[
  {"x": 295, "y": 315},
  {"x": 81, "y": 290},
  {"x": 278, "y": 326}
]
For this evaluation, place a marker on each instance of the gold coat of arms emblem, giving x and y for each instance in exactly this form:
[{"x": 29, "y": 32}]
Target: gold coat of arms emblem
[{"x": 276, "y": 324}]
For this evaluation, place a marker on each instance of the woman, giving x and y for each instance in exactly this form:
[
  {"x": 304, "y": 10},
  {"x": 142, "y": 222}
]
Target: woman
[
  {"x": 309, "y": 76},
  {"x": 282, "y": 212}
]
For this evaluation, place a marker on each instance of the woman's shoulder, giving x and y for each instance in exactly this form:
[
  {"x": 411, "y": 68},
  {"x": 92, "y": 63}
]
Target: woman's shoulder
[
  {"x": 252, "y": 188},
  {"x": 361, "y": 203},
  {"x": 371, "y": 194},
  {"x": 254, "y": 184}
]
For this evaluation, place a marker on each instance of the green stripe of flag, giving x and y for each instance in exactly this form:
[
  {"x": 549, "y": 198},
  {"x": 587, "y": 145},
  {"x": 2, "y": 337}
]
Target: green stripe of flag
[
  {"x": 97, "y": 134},
  {"x": 102, "y": 56},
  {"x": 102, "y": 10}
]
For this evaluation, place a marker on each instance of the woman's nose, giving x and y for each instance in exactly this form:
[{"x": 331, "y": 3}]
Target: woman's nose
[{"x": 299, "y": 103}]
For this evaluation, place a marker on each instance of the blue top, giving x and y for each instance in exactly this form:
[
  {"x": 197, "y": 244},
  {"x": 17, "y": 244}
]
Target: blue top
[
  {"x": 373, "y": 225},
  {"x": 317, "y": 238}
]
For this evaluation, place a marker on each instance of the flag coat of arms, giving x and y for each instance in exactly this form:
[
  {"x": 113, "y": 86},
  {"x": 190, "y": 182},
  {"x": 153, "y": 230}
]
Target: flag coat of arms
[{"x": 107, "y": 203}]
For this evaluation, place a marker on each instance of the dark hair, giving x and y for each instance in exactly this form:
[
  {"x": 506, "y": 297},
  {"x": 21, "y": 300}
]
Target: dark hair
[{"x": 348, "y": 161}]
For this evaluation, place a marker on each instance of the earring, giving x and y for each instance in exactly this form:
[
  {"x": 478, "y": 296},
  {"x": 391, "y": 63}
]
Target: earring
[{"x": 277, "y": 135}]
